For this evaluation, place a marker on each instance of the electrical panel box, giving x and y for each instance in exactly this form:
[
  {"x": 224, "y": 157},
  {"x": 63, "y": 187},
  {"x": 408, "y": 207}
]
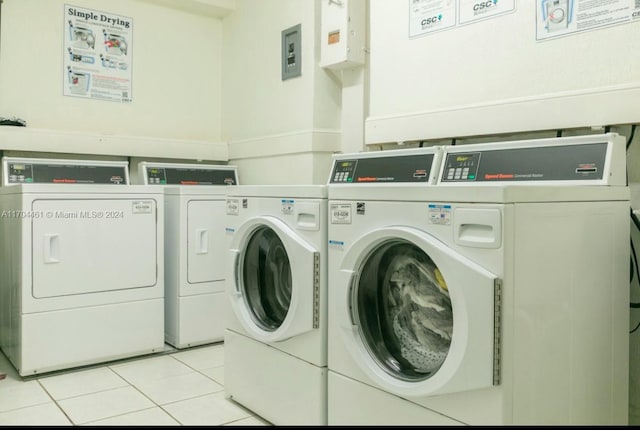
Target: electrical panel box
[
  {"x": 291, "y": 52},
  {"x": 342, "y": 34}
]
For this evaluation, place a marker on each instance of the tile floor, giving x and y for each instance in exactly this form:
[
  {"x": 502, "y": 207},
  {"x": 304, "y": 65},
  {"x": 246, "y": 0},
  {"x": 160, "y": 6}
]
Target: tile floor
[{"x": 174, "y": 387}]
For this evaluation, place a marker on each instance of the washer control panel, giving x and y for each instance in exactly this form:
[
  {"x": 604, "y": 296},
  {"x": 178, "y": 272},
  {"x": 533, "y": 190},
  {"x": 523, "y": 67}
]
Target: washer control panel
[
  {"x": 543, "y": 163},
  {"x": 375, "y": 169}
]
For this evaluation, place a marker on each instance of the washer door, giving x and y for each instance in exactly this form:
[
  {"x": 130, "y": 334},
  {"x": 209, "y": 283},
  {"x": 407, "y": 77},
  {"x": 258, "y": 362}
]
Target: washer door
[
  {"x": 416, "y": 316},
  {"x": 274, "y": 280}
]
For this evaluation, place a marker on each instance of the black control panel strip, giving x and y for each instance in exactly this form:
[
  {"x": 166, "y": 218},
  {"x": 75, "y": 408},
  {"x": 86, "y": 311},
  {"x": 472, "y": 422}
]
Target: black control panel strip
[
  {"x": 545, "y": 163},
  {"x": 190, "y": 176},
  {"x": 404, "y": 168},
  {"x": 35, "y": 173}
]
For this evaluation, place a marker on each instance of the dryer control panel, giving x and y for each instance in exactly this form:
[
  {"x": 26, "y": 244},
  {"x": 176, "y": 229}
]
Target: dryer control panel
[
  {"x": 176, "y": 174},
  {"x": 44, "y": 171}
]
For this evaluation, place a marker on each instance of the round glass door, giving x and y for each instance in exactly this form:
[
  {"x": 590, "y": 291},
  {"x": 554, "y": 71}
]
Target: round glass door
[
  {"x": 266, "y": 275},
  {"x": 402, "y": 307}
]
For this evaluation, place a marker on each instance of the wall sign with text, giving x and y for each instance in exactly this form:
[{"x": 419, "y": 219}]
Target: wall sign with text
[{"x": 97, "y": 55}]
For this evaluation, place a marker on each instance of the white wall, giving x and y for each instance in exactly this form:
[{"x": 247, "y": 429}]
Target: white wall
[
  {"x": 278, "y": 131},
  {"x": 176, "y": 81},
  {"x": 493, "y": 76}
]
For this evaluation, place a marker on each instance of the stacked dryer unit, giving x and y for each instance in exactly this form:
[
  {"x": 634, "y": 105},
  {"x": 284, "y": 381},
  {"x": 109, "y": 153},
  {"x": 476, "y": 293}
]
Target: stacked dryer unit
[
  {"x": 497, "y": 296},
  {"x": 81, "y": 279},
  {"x": 196, "y": 248},
  {"x": 276, "y": 337}
]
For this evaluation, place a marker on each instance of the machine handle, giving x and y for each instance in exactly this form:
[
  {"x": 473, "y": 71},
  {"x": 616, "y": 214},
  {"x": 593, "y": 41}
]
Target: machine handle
[
  {"x": 51, "y": 248},
  {"x": 236, "y": 283},
  {"x": 203, "y": 241},
  {"x": 350, "y": 290}
]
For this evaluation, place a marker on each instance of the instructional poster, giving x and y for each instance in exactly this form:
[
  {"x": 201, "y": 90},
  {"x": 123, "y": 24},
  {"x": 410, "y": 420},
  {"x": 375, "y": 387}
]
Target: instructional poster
[
  {"x": 555, "y": 18},
  {"x": 97, "y": 55},
  {"x": 429, "y": 16}
]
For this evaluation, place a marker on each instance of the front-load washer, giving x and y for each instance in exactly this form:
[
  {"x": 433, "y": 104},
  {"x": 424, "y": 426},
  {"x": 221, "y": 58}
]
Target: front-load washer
[
  {"x": 275, "y": 361},
  {"x": 196, "y": 248},
  {"x": 81, "y": 279},
  {"x": 499, "y": 296},
  {"x": 634, "y": 326}
]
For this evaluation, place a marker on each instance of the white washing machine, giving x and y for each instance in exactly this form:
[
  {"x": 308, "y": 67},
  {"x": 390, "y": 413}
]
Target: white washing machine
[
  {"x": 196, "y": 248},
  {"x": 81, "y": 277},
  {"x": 634, "y": 326},
  {"x": 275, "y": 360},
  {"x": 498, "y": 296}
]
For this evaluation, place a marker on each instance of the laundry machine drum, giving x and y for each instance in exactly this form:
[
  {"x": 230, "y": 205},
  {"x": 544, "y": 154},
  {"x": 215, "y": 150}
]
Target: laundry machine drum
[
  {"x": 403, "y": 310},
  {"x": 266, "y": 274}
]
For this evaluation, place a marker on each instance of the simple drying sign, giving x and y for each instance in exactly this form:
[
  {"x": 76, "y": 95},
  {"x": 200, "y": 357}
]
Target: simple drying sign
[{"x": 97, "y": 55}]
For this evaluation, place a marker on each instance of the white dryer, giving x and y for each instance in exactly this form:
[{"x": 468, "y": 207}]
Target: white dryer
[
  {"x": 81, "y": 278},
  {"x": 498, "y": 296},
  {"x": 276, "y": 338},
  {"x": 196, "y": 248}
]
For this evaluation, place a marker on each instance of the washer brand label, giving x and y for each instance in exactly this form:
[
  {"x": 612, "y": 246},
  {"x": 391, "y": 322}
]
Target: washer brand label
[
  {"x": 229, "y": 230},
  {"x": 142, "y": 207},
  {"x": 439, "y": 214},
  {"x": 233, "y": 207},
  {"x": 360, "y": 208},
  {"x": 287, "y": 206},
  {"x": 340, "y": 214}
]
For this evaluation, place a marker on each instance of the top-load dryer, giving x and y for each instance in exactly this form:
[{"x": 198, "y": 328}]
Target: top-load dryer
[
  {"x": 499, "y": 295},
  {"x": 196, "y": 248},
  {"x": 81, "y": 277}
]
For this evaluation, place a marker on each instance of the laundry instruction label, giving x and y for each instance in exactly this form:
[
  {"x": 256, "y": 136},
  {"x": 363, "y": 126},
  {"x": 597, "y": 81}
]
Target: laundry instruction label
[
  {"x": 439, "y": 214},
  {"x": 340, "y": 213},
  {"x": 475, "y": 10},
  {"x": 97, "y": 56},
  {"x": 555, "y": 18},
  {"x": 142, "y": 207},
  {"x": 233, "y": 206},
  {"x": 430, "y": 16},
  {"x": 336, "y": 244},
  {"x": 287, "y": 206}
]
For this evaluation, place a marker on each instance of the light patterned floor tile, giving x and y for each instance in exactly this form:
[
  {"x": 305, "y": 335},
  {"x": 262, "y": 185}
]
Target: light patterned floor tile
[
  {"x": 202, "y": 357},
  {"x": 210, "y": 410},
  {"x": 20, "y": 394},
  {"x": 151, "y": 368},
  {"x": 47, "y": 414},
  {"x": 105, "y": 404},
  {"x": 176, "y": 388},
  {"x": 82, "y": 382},
  {"x": 11, "y": 378},
  {"x": 215, "y": 373},
  {"x": 148, "y": 417},
  {"x": 251, "y": 421}
]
